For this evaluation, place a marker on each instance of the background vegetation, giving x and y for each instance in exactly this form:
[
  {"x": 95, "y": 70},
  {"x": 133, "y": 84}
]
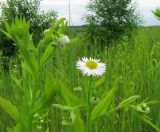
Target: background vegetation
[
  {"x": 30, "y": 9},
  {"x": 133, "y": 67},
  {"x": 109, "y": 20}
]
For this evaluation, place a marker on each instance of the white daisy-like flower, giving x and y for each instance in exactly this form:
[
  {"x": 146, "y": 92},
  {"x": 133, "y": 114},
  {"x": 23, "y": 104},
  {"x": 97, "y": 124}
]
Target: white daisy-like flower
[
  {"x": 91, "y": 67},
  {"x": 63, "y": 40}
]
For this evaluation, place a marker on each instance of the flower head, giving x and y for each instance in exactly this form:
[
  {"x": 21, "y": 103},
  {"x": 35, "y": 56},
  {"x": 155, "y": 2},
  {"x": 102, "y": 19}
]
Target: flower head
[
  {"x": 63, "y": 40},
  {"x": 91, "y": 67},
  {"x": 144, "y": 108}
]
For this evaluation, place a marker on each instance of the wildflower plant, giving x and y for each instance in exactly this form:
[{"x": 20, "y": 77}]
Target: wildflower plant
[
  {"x": 37, "y": 86},
  {"x": 97, "y": 108},
  {"x": 37, "y": 93},
  {"x": 93, "y": 67}
]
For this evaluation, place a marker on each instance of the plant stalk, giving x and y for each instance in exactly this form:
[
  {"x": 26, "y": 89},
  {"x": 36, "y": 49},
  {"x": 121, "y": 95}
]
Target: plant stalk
[{"x": 88, "y": 125}]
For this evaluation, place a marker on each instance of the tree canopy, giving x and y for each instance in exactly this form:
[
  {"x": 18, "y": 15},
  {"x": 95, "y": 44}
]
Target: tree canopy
[
  {"x": 30, "y": 10},
  {"x": 109, "y": 19}
]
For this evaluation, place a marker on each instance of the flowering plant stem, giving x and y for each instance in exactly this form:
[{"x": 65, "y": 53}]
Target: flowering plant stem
[{"x": 89, "y": 93}]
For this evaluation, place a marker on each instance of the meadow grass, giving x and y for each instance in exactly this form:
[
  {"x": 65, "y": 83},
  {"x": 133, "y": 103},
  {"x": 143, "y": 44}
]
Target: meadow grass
[{"x": 134, "y": 62}]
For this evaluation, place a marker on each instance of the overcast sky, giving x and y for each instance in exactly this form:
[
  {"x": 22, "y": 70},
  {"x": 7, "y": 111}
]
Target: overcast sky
[{"x": 78, "y": 9}]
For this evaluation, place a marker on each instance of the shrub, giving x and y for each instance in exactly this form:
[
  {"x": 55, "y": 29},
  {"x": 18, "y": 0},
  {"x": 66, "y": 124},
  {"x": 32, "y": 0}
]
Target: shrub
[{"x": 109, "y": 19}]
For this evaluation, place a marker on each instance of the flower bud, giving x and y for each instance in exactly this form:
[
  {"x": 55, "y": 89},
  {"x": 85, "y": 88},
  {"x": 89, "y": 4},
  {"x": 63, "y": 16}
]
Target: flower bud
[
  {"x": 143, "y": 108},
  {"x": 63, "y": 40},
  {"x": 77, "y": 89},
  {"x": 147, "y": 110}
]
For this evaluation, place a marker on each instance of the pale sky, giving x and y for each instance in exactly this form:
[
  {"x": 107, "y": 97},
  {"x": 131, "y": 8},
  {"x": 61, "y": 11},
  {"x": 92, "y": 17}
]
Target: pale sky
[{"x": 78, "y": 9}]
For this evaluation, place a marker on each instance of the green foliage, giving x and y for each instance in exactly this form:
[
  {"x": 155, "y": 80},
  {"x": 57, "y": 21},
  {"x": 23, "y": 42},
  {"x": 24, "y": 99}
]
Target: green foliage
[
  {"x": 36, "y": 96},
  {"x": 128, "y": 101},
  {"x": 10, "y": 109},
  {"x": 71, "y": 100},
  {"x": 157, "y": 13},
  {"x": 43, "y": 92},
  {"x": 30, "y": 10},
  {"x": 49, "y": 93},
  {"x": 108, "y": 20},
  {"x": 142, "y": 110},
  {"x": 19, "y": 33},
  {"x": 148, "y": 120},
  {"x": 101, "y": 108}
]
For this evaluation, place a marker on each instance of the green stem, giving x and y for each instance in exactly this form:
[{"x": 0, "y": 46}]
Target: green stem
[
  {"x": 89, "y": 105},
  {"x": 30, "y": 124}
]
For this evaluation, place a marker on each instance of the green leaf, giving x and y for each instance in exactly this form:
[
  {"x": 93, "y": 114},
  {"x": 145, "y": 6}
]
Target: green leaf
[
  {"x": 63, "y": 28},
  {"x": 47, "y": 54},
  {"x": 101, "y": 108},
  {"x": 7, "y": 34},
  {"x": 18, "y": 31},
  {"x": 100, "y": 82},
  {"x": 11, "y": 109},
  {"x": 68, "y": 96},
  {"x": 126, "y": 102},
  {"x": 50, "y": 92},
  {"x": 16, "y": 81},
  {"x": 152, "y": 102},
  {"x": 157, "y": 13},
  {"x": 57, "y": 24},
  {"x": 62, "y": 107},
  {"x": 71, "y": 100},
  {"x": 28, "y": 56},
  {"x": 149, "y": 122},
  {"x": 56, "y": 28}
]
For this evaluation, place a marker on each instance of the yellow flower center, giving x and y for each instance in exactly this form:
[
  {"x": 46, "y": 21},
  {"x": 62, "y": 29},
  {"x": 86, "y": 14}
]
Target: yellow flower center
[{"x": 91, "y": 64}]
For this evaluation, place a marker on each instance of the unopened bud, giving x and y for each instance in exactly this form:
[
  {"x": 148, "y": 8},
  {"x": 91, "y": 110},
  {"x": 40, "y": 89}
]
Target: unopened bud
[{"x": 63, "y": 40}]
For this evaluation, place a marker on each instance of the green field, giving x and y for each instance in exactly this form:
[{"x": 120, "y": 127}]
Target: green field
[{"x": 133, "y": 70}]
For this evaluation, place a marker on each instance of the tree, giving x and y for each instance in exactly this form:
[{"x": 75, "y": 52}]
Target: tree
[
  {"x": 30, "y": 10},
  {"x": 109, "y": 19},
  {"x": 157, "y": 13}
]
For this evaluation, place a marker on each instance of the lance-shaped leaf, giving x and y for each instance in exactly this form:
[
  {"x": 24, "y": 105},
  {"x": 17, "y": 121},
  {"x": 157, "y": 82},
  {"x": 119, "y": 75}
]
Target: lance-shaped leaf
[
  {"x": 101, "y": 108},
  {"x": 18, "y": 31},
  {"x": 57, "y": 24},
  {"x": 72, "y": 100},
  {"x": 11, "y": 109},
  {"x": 63, "y": 28},
  {"x": 100, "y": 82},
  {"x": 68, "y": 96},
  {"x": 46, "y": 99},
  {"x": 65, "y": 108},
  {"x": 148, "y": 121},
  {"x": 47, "y": 54},
  {"x": 128, "y": 101},
  {"x": 50, "y": 36},
  {"x": 157, "y": 13}
]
